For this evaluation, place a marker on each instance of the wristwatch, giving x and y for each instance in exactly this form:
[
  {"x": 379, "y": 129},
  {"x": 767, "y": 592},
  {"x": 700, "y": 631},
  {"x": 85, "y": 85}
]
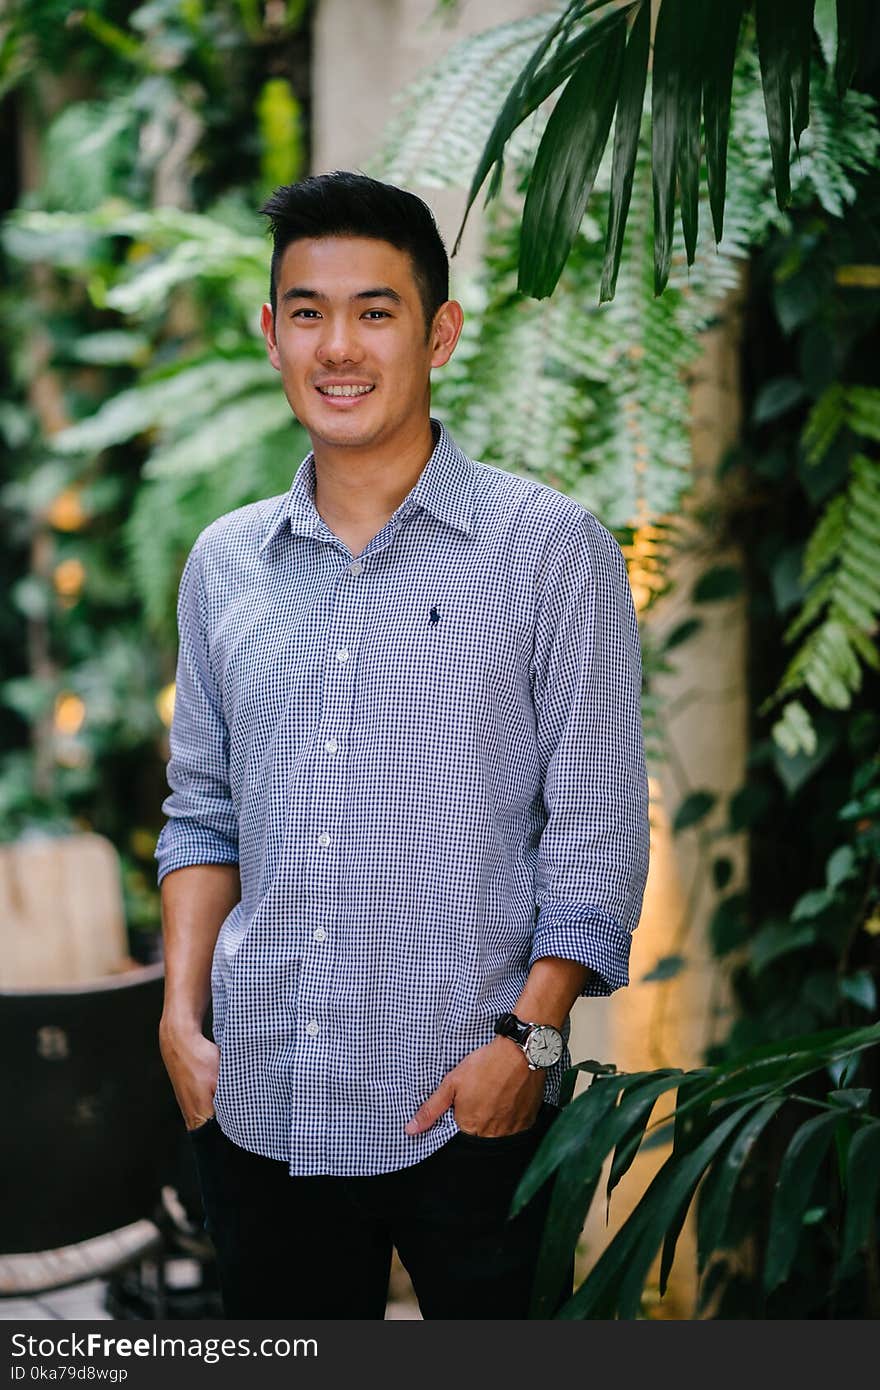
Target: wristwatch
[{"x": 542, "y": 1044}]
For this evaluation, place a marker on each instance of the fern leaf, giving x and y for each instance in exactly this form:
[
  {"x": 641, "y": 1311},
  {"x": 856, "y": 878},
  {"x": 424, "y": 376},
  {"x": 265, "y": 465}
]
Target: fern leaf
[
  {"x": 824, "y": 544},
  {"x": 794, "y": 731},
  {"x": 817, "y": 599},
  {"x": 824, "y": 422},
  {"x": 864, "y": 411}
]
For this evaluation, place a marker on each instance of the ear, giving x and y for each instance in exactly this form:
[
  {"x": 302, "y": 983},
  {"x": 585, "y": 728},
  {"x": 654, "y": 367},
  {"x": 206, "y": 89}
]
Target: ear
[
  {"x": 267, "y": 325},
  {"x": 445, "y": 332}
]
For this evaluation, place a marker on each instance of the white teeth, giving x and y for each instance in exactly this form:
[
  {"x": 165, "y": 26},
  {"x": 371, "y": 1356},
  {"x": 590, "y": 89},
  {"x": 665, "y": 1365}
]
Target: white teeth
[{"x": 344, "y": 390}]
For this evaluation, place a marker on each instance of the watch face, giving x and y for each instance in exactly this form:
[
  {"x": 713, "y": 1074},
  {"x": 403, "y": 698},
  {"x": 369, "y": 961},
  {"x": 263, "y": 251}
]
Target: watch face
[{"x": 545, "y": 1046}]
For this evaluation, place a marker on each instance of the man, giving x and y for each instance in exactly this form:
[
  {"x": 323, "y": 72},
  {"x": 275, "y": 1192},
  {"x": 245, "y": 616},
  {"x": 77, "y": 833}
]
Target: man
[{"x": 408, "y": 818}]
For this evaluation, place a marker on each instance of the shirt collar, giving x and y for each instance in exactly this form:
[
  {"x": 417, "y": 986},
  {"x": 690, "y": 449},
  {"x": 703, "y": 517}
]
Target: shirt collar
[{"x": 445, "y": 488}]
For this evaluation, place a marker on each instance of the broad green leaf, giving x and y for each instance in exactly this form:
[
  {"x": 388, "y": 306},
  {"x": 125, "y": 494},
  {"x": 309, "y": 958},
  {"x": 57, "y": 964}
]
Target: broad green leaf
[
  {"x": 794, "y": 1185},
  {"x": 841, "y": 866},
  {"x": 598, "y": 1131},
  {"x": 566, "y": 1087},
  {"x": 621, "y": 1270},
  {"x": 596, "y": 1296},
  {"x": 861, "y": 989},
  {"x": 729, "y": 925},
  {"x": 825, "y": 22},
  {"x": 862, "y": 1187},
  {"x": 774, "y": 941},
  {"x": 566, "y": 164},
  {"x": 690, "y": 1127},
  {"x": 597, "y": 1068},
  {"x": 853, "y": 18},
  {"x": 749, "y": 806},
  {"x": 800, "y": 37},
  {"x": 636, "y": 1105},
  {"x": 566, "y": 1138},
  {"x": 713, "y": 1206},
  {"x": 776, "y": 398},
  {"x": 695, "y": 807},
  {"x": 717, "y": 87},
  {"x": 690, "y": 92},
  {"x": 774, "y": 51},
  {"x": 590, "y": 1125},
  {"x": 627, "y": 125},
  {"x": 665, "y": 108},
  {"x": 768, "y": 1069},
  {"x": 578, "y": 1154},
  {"x": 573, "y": 1190},
  {"x": 843, "y": 1070},
  {"x": 719, "y": 583},
  {"x": 666, "y": 968},
  {"x": 811, "y": 904},
  {"x": 533, "y": 85},
  {"x": 682, "y": 632},
  {"x": 851, "y": 1097},
  {"x": 830, "y": 1042}
]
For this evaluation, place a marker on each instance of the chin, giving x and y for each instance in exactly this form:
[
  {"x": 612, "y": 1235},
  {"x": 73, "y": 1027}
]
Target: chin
[{"x": 352, "y": 433}]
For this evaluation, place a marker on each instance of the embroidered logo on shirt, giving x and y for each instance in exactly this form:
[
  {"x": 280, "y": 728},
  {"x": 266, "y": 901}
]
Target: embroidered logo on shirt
[{"x": 434, "y": 617}]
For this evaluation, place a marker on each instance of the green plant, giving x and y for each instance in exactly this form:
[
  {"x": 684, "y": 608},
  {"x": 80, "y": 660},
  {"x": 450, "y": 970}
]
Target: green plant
[
  {"x": 721, "y": 1123},
  {"x": 121, "y": 107},
  {"x": 602, "y": 71},
  {"x": 840, "y": 571},
  {"x": 783, "y": 1169}
]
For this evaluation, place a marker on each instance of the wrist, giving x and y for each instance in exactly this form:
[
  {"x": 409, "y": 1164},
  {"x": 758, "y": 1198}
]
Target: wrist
[
  {"x": 179, "y": 1024},
  {"x": 508, "y": 1047}
]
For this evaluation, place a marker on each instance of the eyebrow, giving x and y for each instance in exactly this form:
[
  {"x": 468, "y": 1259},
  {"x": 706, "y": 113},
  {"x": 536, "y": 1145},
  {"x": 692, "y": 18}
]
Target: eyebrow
[{"x": 380, "y": 292}]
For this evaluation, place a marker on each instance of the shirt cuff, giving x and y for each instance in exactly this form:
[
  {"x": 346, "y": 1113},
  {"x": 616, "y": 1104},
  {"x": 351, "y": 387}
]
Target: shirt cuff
[
  {"x": 589, "y": 936},
  {"x": 184, "y": 842}
]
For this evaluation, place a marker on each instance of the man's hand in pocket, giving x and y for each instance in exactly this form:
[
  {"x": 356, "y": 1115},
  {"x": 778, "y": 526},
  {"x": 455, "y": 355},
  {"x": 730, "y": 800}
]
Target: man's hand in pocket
[{"x": 193, "y": 1064}]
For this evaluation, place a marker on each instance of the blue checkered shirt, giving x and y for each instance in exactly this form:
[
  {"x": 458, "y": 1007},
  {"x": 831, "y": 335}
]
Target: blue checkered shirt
[{"x": 428, "y": 763}]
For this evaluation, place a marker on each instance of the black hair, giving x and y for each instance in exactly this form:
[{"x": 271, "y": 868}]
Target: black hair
[{"x": 347, "y": 204}]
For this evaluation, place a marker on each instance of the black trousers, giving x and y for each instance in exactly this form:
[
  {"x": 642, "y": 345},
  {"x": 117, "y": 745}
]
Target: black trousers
[{"x": 320, "y": 1247}]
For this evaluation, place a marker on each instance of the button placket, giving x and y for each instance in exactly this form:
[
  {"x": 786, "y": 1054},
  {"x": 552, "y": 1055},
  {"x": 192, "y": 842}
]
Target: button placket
[{"x": 346, "y": 603}]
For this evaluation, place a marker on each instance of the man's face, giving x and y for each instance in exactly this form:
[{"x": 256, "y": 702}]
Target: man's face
[{"x": 349, "y": 340}]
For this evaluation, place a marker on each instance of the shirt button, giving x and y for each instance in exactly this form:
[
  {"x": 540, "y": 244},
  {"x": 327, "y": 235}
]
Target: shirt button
[
  {"x": 343, "y": 654},
  {"x": 323, "y": 838},
  {"x": 312, "y": 1028},
  {"x": 355, "y": 567},
  {"x": 331, "y": 746},
  {"x": 320, "y": 934}
]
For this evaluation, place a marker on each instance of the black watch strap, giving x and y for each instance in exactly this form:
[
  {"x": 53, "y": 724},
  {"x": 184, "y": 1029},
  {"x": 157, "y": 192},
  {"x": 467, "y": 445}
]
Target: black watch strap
[{"x": 509, "y": 1026}]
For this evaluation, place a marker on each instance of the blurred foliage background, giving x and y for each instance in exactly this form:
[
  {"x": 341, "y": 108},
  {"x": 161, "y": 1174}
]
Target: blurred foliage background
[
  {"x": 138, "y": 405},
  {"x": 143, "y": 139}
]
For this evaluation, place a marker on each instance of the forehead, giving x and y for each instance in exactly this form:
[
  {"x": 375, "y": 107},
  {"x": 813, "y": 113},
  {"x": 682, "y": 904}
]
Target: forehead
[{"x": 342, "y": 266}]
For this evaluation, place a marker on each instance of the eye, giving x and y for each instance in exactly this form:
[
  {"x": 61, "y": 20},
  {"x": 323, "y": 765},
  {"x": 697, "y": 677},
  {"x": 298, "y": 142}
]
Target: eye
[
  {"x": 377, "y": 313},
  {"x": 305, "y": 313}
]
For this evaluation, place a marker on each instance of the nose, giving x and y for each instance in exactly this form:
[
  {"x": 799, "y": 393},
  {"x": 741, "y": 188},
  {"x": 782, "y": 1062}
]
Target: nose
[{"x": 338, "y": 342}]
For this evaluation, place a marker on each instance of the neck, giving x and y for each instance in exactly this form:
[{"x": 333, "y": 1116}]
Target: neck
[{"x": 357, "y": 486}]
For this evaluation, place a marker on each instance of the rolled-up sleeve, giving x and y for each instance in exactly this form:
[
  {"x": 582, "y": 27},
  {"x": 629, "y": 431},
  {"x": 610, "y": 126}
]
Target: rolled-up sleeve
[
  {"x": 202, "y": 825},
  {"x": 587, "y": 672}
]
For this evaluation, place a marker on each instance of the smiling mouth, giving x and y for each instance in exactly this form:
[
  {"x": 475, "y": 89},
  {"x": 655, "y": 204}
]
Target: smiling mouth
[{"x": 344, "y": 392}]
